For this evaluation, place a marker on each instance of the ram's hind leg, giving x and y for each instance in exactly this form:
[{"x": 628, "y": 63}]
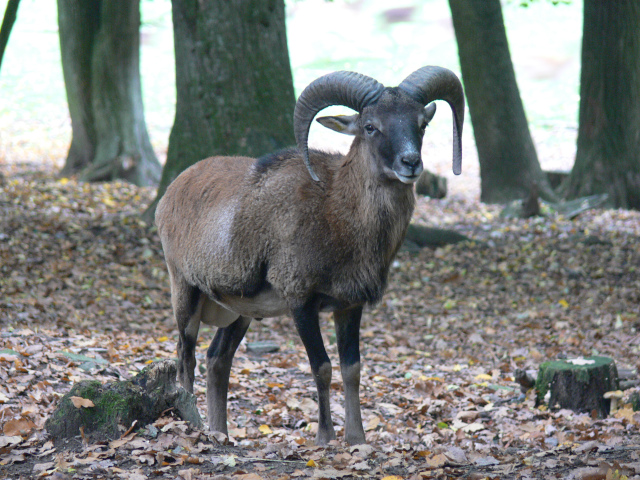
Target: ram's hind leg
[
  {"x": 219, "y": 359},
  {"x": 187, "y": 307}
]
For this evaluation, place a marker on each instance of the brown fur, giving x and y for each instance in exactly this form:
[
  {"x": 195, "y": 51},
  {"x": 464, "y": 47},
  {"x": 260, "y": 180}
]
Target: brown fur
[
  {"x": 247, "y": 238},
  {"x": 336, "y": 237}
]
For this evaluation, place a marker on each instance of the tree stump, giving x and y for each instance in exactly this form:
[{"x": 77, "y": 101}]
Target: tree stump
[
  {"x": 578, "y": 384},
  {"x": 431, "y": 185},
  {"x": 141, "y": 399}
]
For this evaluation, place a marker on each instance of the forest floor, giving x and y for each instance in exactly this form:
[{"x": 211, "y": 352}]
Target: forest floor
[{"x": 84, "y": 294}]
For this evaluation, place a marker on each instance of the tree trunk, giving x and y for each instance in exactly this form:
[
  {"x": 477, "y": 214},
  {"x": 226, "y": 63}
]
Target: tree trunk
[
  {"x": 431, "y": 185},
  {"x": 78, "y": 22},
  {"x": 100, "y": 43},
  {"x": 233, "y": 79},
  {"x": 509, "y": 166},
  {"x": 608, "y": 154},
  {"x": 578, "y": 384},
  {"x": 8, "y": 20}
]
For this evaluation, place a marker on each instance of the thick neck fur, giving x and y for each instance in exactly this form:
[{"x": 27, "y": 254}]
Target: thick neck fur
[{"x": 370, "y": 213}]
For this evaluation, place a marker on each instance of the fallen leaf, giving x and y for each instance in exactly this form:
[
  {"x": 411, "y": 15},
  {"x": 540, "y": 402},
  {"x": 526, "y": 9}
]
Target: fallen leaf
[
  {"x": 18, "y": 426},
  {"x": 485, "y": 461},
  {"x": 229, "y": 460},
  {"x": 9, "y": 440},
  {"x": 456, "y": 455},
  {"x": 362, "y": 451},
  {"x": 265, "y": 429},
  {"x": 80, "y": 402},
  {"x": 372, "y": 424},
  {"x": 626, "y": 413},
  {"x": 238, "y": 432},
  {"x": 437, "y": 461},
  {"x": 473, "y": 427},
  {"x": 40, "y": 468},
  {"x": 248, "y": 476},
  {"x": 362, "y": 466}
]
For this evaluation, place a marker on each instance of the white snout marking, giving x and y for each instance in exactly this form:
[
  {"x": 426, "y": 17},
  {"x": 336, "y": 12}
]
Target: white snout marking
[{"x": 407, "y": 180}]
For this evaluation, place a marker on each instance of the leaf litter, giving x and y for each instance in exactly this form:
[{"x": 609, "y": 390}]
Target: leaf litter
[{"x": 84, "y": 295}]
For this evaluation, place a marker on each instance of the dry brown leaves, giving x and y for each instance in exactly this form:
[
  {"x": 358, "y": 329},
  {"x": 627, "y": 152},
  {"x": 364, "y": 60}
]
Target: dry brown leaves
[{"x": 84, "y": 294}]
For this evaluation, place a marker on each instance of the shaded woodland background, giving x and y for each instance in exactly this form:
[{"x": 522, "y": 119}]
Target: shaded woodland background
[
  {"x": 322, "y": 37},
  {"x": 84, "y": 290}
]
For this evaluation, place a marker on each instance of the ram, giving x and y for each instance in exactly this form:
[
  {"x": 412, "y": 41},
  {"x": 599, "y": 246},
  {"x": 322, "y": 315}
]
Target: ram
[{"x": 300, "y": 232}]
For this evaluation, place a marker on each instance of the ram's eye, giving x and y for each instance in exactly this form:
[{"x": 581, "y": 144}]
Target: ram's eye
[
  {"x": 369, "y": 128},
  {"x": 423, "y": 127}
]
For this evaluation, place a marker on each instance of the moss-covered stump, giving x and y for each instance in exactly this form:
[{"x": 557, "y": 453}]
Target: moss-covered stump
[
  {"x": 142, "y": 398},
  {"x": 578, "y": 384}
]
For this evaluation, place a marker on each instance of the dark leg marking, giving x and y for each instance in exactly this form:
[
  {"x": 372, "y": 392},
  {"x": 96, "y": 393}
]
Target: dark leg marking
[
  {"x": 219, "y": 359},
  {"x": 348, "y": 335},
  {"x": 307, "y": 322}
]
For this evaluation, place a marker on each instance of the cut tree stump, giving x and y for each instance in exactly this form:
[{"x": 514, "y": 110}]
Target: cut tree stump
[
  {"x": 431, "y": 185},
  {"x": 578, "y": 384},
  {"x": 143, "y": 399}
]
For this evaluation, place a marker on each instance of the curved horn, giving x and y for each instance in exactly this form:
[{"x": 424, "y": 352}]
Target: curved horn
[
  {"x": 350, "y": 89},
  {"x": 436, "y": 83}
]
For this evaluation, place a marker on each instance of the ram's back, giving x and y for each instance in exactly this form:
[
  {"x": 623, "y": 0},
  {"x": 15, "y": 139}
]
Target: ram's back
[{"x": 236, "y": 225}]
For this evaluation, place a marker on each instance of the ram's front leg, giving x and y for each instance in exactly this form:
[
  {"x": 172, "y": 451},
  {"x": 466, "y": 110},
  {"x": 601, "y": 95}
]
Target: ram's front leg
[
  {"x": 348, "y": 335},
  {"x": 307, "y": 322}
]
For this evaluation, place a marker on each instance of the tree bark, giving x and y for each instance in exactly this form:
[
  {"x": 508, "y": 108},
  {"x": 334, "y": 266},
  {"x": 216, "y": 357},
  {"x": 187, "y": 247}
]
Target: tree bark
[
  {"x": 10, "y": 15},
  {"x": 100, "y": 42},
  {"x": 509, "y": 166},
  {"x": 608, "y": 153},
  {"x": 234, "y": 84},
  {"x": 78, "y": 22},
  {"x": 578, "y": 385}
]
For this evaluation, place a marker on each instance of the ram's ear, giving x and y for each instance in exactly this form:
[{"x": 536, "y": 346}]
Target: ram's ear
[
  {"x": 347, "y": 124},
  {"x": 430, "y": 111}
]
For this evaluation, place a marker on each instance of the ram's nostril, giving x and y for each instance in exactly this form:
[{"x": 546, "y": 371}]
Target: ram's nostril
[{"x": 411, "y": 160}]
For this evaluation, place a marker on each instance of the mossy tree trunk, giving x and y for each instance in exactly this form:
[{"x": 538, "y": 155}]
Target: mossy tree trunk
[
  {"x": 509, "y": 166},
  {"x": 117, "y": 405},
  {"x": 608, "y": 155},
  {"x": 100, "y": 44},
  {"x": 234, "y": 84}
]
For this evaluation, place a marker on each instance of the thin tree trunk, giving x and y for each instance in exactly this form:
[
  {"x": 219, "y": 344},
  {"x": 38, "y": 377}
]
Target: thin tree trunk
[
  {"x": 10, "y": 15},
  {"x": 78, "y": 22},
  {"x": 234, "y": 84},
  {"x": 100, "y": 44},
  {"x": 509, "y": 166},
  {"x": 124, "y": 150},
  {"x": 608, "y": 153}
]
